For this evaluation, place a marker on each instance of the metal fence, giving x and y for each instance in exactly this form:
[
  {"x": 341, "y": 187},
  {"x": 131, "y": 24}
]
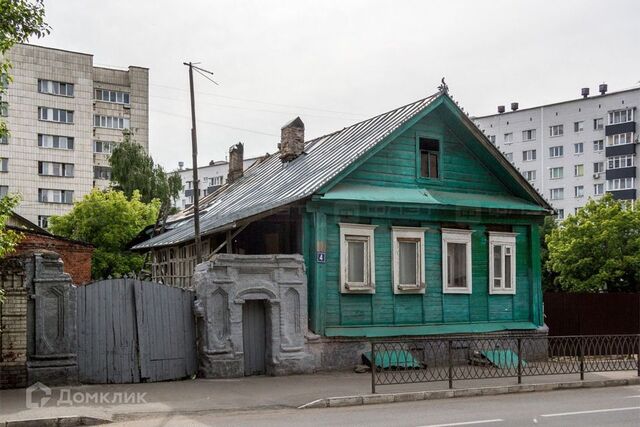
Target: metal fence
[{"x": 449, "y": 359}]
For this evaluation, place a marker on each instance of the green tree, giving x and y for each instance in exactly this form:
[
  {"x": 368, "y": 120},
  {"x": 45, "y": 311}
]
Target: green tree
[
  {"x": 8, "y": 238},
  {"x": 19, "y": 20},
  {"x": 132, "y": 169},
  {"x": 108, "y": 220},
  {"x": 598, "y": 248}
]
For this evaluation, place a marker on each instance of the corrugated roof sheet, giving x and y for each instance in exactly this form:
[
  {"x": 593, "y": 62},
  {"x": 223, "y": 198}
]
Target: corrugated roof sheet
[{"x": 273, "y": 184}]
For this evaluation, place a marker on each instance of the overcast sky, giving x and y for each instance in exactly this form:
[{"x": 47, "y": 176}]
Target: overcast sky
[{"x": 334, "y": 63}]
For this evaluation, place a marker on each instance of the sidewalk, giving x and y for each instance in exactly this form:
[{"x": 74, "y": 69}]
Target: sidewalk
[{"x": 255, "y": 393}]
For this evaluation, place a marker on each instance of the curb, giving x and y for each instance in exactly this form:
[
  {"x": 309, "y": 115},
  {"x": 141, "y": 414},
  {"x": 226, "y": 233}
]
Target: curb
[
  {"x": 70, "y": 421},
  {"x": 373, "y": 399}
]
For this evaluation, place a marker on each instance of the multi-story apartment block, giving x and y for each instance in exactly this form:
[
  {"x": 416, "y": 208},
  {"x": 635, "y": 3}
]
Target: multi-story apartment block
[
  {"x": 64, "y": 116},
  {"x": 572, "y": 150}
]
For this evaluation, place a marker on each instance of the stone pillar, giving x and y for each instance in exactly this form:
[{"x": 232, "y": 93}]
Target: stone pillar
[{"x": 52, "y": 347}]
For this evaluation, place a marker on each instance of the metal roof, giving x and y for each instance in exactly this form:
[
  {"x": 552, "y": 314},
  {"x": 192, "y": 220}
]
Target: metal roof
[
  {"x": 273, "y": 184},
  {"x": 270, "y": 184}
]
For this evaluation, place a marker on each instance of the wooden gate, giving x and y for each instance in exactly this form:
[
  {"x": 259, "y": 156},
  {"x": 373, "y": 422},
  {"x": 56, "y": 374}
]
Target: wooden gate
[{"x": 133, "y": 331}]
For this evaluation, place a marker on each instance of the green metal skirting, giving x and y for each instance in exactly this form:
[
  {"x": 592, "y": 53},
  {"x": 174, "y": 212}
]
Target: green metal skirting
[{"x": 392, "y": 359}]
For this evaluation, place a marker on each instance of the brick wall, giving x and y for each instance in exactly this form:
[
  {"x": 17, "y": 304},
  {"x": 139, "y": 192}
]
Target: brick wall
[
  {"x": 13, "y": 324},
  {"x": 75, "y": 255}
]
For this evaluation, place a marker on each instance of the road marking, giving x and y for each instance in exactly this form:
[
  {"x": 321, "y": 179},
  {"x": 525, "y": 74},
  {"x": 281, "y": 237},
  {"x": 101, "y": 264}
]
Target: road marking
[
  {"x": 595, "y": 411},
  {"x": 629, "y": 397},
  {"x": 466, "y": 423}
]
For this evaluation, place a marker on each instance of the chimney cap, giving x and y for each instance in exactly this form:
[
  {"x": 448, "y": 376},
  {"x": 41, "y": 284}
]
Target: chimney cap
[
  {"x": 514, "y": 106},
  {"x": 295, "y": 123},
  {"x": 585, "y": 92},
  {"x": 603, "y": 88},
  {"x": 501, "y": 109}
]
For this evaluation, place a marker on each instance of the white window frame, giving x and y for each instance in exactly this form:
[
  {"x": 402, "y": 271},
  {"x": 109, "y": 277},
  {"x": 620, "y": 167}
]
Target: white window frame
[
  {"x": 620, "y": 184},
  {"x": 578, "y": 191},
  {"x": 529, "y": 155},
  {"x": 598, "y": 189},
  {"x": 578, "y": 148},
  {"x": 598, "y": 145},
  {"x": 556, "y": 130},
  {"x": 364, "y": 232},
  {"x": 450, "y": 235},
  {"x": 556, "y": 193},
  {"x": 556, "y": 172},
  {"x": 620, "y": 116},
  {"x": 578, "y": 126},
  {"x": 506, "y": 240},
  {"x": 528, "y": 135},
  {"x": 556, "y": 151},
  {"x": 598, "y": 123},
  {"x": 416, "y": 235},
  {"x": 578, "y": 170},
  {"x": 508, "y": 138},
  {"x": 620, "y": 162},
  {"x": 530, "y": 175},
  {"x": 620, "y": 139}
]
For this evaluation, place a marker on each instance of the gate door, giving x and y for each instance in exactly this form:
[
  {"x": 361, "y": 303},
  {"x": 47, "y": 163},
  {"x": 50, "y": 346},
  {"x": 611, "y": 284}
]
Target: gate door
[{"x": 254, "y": 337}]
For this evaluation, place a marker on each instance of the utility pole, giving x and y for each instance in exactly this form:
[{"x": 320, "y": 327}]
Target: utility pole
[{"x": 194, "y": 154}]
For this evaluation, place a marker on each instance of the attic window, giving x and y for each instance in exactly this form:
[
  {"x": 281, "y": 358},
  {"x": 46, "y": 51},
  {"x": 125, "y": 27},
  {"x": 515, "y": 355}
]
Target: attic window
[{"x": 429, "y": 157}]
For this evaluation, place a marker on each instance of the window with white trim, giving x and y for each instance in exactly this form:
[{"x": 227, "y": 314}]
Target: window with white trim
[
  {"x": 55, "y": 141},
  {"x": 598, "y": 189},
  {"x": 456, "y": 261},
  {"x": 508, "y": 138},
  {"x": 557, "y": 151},
  {"x": 53, "y": 87},
  {"x": 113, "y": 96},
  {"x": 556, "y": 130},
  {"x": 556, "y": 193},
  {"x": 492, "y": 139},
  {"x": 502, "y": 265},
  {"x": 578, "y": 126},
  {"x": 578, "y": 191},
  {"x": 578, "y": 170},
  {"x": 110, "y": 122},
  {"x": 556, "y": 173},
  {"x": 508, "y": 156},
  {"x": 4, "y": 164},
  {"x": 617, "y": 162},
  {"x": 357, "y": 258},
  {"x": 408, "y": 260},
  {"x": 528, "y": 155},
  {"x": 578, "y": 148},
  {"x": 620, "y": 184},
  {"x": 55, "y": 169},
  {"x": 529, "y": 135},
  {"x": 598, "y": 167},
  {"x": 621, "y": 116},
  {"x": 43, "y": 221},
  {"x": 55, "y": 115},
  {"x": 4, "y": 190},
  {"x": 620, "y": 139},
  {"x": 598, "y": 124},
  {"x": 46, "y": 195},
  {"x": 560, "y": 214},
  {"x": 530, "y": 175},
  {"x": 102, "y": 172},
  {"x": 598, "y": 145},
  {"x": 104, "y": 147}
]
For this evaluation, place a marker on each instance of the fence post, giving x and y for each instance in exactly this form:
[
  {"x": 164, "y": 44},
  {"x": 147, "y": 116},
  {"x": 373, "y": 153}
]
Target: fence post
[
  {"x": 450, "y": 355},
  {"x": 373, "y": 367},
  {"x": 581, "y": 341},
  {"x": 519, "y": 360},
  {"x": 638, "y": 355}
]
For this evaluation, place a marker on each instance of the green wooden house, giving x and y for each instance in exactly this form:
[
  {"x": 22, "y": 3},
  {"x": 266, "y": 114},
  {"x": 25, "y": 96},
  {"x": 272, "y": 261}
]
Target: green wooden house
[{"x": 410, "y": 223}]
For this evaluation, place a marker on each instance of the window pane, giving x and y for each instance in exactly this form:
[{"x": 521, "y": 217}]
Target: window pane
[
  {"x": 497, "y": 263},
  {"x": 457, "y": 265},
  {"x": 424, "y": 164},
  {"x": 433, "y": 165},
  {"x": 408, "y": 257},
  {"x": 355, "y": 263},
  {"x": 507, "y": 270}
]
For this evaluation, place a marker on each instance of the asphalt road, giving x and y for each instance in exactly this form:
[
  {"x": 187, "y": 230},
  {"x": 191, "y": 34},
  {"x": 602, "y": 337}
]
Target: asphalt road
[{"x": 615, "y": 406}]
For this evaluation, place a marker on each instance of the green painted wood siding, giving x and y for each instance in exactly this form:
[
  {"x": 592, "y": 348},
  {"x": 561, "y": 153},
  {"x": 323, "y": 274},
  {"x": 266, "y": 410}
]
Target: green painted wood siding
[
  {"x": 434, "y": 307},
  {"x": 396, "y": 166}
]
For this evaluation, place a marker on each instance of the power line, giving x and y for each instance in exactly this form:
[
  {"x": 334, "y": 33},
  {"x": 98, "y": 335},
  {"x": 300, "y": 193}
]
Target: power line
[
  {"x": 264, "y": 102},
  {"x": 215, "y": 123}
]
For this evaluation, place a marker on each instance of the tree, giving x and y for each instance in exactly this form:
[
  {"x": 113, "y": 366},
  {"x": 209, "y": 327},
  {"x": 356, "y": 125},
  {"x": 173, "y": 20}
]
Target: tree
[
  {"x": 8, "y": 238},
  {"x": 132, "y": 169},
  {"x": 598, "y": 248},
  {"x": 19, "y": 20},
  {"x": 108, "y": 220}
]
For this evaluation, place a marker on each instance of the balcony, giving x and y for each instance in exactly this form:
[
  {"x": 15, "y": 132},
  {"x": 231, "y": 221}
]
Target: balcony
[
  {"x": 620, "y": 128},
  {"x": 629, "y": 172},
  {"x": 620, "y": 150},
  {"x": 624, "y": 194}
]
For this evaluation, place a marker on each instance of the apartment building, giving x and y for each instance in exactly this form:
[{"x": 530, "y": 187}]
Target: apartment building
[
  {"x": 210, "y": 178},
  {"x": 64, "y": 116},
  {"x": 572, "y": 150}
]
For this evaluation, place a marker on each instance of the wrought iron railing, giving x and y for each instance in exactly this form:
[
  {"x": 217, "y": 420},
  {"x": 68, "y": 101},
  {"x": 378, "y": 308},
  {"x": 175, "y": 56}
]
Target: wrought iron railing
[{"x": 464, "y": 358}]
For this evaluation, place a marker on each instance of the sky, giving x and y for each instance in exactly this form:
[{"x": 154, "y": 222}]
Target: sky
[{"x": 335, "y": 63}]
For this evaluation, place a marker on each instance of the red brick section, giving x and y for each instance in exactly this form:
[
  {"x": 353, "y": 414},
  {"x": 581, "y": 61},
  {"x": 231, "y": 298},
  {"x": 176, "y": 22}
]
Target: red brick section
[{"x": 75, "y": 255}]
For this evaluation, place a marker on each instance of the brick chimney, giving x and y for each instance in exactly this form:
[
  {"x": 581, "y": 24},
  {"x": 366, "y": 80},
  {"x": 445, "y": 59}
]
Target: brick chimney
[
  {"x": 291, "y": 140},
  {"x": 236, "y": 160}
]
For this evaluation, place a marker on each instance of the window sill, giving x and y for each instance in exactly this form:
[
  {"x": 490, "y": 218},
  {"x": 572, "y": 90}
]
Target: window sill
[
  {"x": 502, "y": 292},
  {"x": 457, "y": 291},
  {"x": 355, "y": 289}
]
